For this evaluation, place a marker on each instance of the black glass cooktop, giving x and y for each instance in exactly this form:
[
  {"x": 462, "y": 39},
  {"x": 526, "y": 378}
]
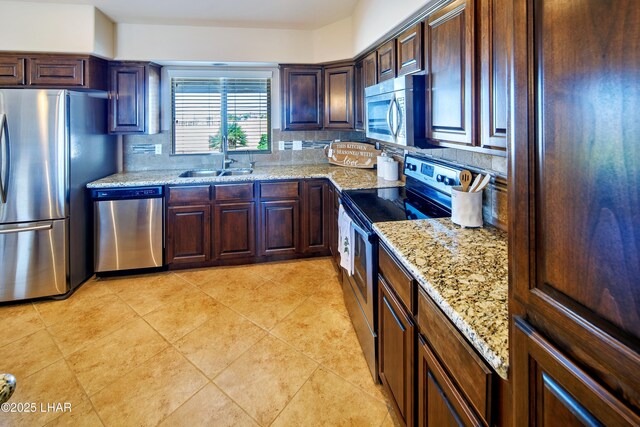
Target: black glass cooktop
[{"x": 392, "y": 204}]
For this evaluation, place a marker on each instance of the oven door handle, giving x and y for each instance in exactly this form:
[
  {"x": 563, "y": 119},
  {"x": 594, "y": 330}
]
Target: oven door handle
[{"x": 362, "y": 231}]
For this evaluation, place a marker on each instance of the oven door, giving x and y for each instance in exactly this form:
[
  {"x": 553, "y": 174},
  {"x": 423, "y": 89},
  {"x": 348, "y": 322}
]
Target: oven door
[
  {"x": 384, "y": 118},
  {"x": 361, "y": 279}
]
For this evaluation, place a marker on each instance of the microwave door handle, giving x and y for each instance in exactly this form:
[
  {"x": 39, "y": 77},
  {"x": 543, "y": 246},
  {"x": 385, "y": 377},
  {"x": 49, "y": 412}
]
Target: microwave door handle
[
  {"x": 399, "y": 119},
  {"x": 5, "y": 158},
  {"x": 389, "y": 125}
]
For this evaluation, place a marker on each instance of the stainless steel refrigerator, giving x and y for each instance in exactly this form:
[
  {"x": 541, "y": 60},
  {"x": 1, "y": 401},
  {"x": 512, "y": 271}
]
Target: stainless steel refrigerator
[{"x": 52, "y": 143}]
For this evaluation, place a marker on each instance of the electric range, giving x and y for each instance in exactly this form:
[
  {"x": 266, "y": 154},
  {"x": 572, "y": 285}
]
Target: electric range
[{"x": 427, "y": 194}]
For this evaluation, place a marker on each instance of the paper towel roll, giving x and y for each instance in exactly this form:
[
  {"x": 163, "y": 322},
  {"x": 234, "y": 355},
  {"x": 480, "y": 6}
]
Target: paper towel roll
[
  {"x": 382, "y": 159},
  {"x": 390, "y": 170}
]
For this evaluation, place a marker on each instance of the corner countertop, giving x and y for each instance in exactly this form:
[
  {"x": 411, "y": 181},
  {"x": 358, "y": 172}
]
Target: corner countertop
[
  {"x": 465, "y": 272},
  {"x": 343, "y": 178}
]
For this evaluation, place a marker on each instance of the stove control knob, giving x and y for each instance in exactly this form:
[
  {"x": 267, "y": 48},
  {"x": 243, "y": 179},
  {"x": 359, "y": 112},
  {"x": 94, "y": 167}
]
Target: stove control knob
[
  {"x": 449, "y": 181},
  {"x": 439, "y": 178},
  {"x": 411, "y": 167}
]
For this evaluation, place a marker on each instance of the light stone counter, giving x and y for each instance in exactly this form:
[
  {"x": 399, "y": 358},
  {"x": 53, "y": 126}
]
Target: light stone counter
[
  {"x": 343, "y": 178},
  {"x": 465, "y": 272}
]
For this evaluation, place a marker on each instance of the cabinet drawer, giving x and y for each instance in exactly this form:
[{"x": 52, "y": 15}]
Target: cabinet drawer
[
  {"x": 279, "y": 190},
  {"x": 11, "y": 70},
  {"x": 193, "y": 194},
  {"x": 56, "y": 71},
  {"x": 400, "y": 281},
  {"x": 468, "y": 370},
  {"x": 225, "y": 192}
]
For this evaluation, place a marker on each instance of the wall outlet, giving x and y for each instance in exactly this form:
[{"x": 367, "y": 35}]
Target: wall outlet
[
  {"x": 281, "y": 145},
  {"x": 158, "y": 149},
  {"x": 297, "y": 145}
]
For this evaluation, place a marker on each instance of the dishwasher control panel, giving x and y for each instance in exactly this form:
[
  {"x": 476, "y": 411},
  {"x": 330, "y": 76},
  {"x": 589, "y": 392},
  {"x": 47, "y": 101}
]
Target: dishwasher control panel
[{"x": 123, "y": 193}]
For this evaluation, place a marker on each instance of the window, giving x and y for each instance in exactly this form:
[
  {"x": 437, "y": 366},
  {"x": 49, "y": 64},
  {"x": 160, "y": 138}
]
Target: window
[{"x": 206, "y": 111}]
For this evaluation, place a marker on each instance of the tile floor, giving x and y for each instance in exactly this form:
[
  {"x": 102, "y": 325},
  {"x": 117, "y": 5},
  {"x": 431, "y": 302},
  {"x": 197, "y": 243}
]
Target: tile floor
[{"x": 266, "y": 344}]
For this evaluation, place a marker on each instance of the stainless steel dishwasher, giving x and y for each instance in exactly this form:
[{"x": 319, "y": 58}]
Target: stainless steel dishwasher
[{"x": 129, "y": 228}]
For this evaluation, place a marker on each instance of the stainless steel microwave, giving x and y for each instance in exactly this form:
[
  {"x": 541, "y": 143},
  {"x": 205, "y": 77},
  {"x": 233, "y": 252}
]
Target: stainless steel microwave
[{"x": 395, "y": 110}]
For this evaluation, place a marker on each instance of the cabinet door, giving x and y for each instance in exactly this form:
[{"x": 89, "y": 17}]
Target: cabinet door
[
  {"x": 550, "y": 390},
  {"x": 188, "y": 236},
  {"x": 127, "y": 94},
  {"x": 439, "y": 402},
  {"x": 575, "y": 263},
  {"x": 302, "y": 104},
  {"x": 396, "y": 341},
  {"x": 315, "y": 232},
  {"x": 338, "y": 97},
  {"x": 235, "y": 230},
  {"x": 359, "y": 96},
  {"x": 450, "y": 65},
  {"x": 280, "y": 225},
  {"x": 387, "y": 61},
  {"x": 410, "y": 50},
  {"x": 12, "y": 70},
  {"x": 370, "y": 69},
  {"x": 53, "y": 71},
  {"x": 493, "y": 74}
]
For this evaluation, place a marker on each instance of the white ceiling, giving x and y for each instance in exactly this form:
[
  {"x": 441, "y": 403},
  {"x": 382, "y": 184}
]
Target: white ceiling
[{"x": 290, "y": 14}]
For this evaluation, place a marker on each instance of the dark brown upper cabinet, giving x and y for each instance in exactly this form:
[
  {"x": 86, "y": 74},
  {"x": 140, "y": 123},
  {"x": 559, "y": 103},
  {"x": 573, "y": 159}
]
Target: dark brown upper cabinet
[
  {"x": 370, "y": 69},
  {"x": 574, "y": 260},
  {"x": 493, "y": 65},
  {"x": 53, "y": 71},
  {"x": 302, "y": 106},
  {"x": 410, "y": 50},
  {"x": 12, "y": 70},
  {"x": 338, "y": 97},
  {"x": 134, "y": 98},
  {"x": 387, "y": 61},
  {"x": 450, "y": 66}
]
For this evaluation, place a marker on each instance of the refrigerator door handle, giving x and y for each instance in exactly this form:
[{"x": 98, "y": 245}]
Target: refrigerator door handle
[
  {"x": 48, "y": 226},
  {"x": 5, "y": 158}
]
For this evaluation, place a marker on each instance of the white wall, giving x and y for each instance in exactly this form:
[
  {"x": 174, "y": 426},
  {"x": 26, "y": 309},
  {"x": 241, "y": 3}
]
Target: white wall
[
  {"x": 333, "y": 42},
  {"x": 43, "y": 27},
  {"x": 372, "y": 19},
  {"x": 104, "y": 35},
  {"x": 211, "y": 44}
]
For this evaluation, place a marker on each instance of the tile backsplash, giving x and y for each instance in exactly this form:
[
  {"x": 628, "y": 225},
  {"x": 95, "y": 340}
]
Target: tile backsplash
[{"x": 139, "y": 152}]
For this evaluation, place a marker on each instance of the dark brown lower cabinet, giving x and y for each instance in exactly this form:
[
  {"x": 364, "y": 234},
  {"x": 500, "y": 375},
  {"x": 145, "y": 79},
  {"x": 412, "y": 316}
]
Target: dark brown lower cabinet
[
  {"x": 551, "y": 390},
  {"x": 188, "y": 237},
  {"x": 235, "y": 227},
  {"x": 334, "y": 201},
  {"x": 315, "y": 232},
  {"x": 439, "y": 402},
  {"x": 396, "y": 347},
  {"x": 279, "y": 221}
]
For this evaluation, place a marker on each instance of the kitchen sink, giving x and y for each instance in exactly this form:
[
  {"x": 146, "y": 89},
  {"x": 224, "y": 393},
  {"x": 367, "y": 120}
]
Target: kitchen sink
[
  {"x": 203, "y": 173},
  {"x": 237, "y": 171}
]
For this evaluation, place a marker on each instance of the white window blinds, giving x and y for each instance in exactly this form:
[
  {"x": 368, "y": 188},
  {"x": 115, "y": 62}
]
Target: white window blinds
[{"x": 206, "y": 109}]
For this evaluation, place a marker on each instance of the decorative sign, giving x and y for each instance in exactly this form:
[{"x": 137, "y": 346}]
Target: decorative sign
[{"x": 352, "y": 154}]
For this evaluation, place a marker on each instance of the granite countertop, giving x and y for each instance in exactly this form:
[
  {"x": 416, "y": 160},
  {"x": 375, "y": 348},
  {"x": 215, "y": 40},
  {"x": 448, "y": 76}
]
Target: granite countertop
[
  {"x": 343, "y": 178},
  {"x": 465, "y": 272}
]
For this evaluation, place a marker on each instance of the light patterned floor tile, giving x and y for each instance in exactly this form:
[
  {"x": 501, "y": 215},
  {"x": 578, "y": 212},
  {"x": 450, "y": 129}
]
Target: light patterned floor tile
[
  {"x": 150, "y": 392},
  {"x": 219, "y": 341},
  {"x": 88, "y": 324},
  {"x": 265, "y": 378},
  {"x": 28, "y": 355},
  {"x": 174, "y": 321},
  {"x": 81, "y": 416},
  {"x": 106, "y": 361},
  {"x": 18, "y": 321},
  {"x": 209, "y": 407},
  {"x": 149, "y": 292},
  {"x": 52, "y": 385},
  {"x": 328, "y": 400}
]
